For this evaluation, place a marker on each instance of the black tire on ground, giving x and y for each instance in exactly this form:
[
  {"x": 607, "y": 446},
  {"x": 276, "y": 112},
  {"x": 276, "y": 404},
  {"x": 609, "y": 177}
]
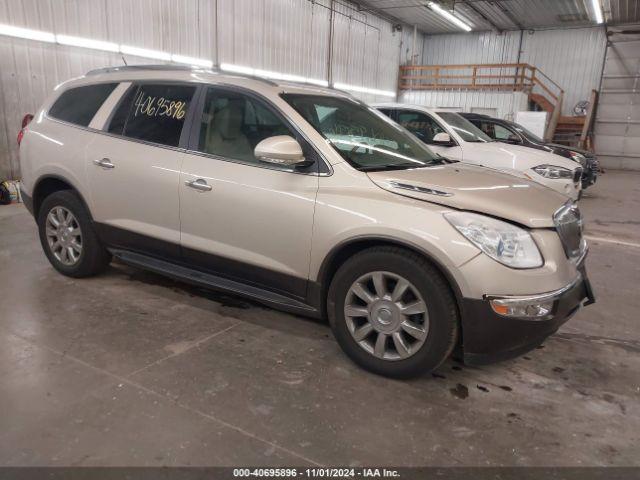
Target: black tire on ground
[
  {"x": 434, "y": 289},
  {"x": 94, "y": 258}
]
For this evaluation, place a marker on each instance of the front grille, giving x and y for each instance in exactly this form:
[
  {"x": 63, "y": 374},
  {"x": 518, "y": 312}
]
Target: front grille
[
  {"x": 577, "y": 175},
  {"x": 569, "y": 225}
]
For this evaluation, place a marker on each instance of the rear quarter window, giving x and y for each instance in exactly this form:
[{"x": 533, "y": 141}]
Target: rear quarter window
[{"x": 79, "y": 105}]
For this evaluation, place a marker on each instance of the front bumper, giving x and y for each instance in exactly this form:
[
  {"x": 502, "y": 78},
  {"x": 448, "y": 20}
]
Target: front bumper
[
  {"x": 590, "y": 174},
  {"x": 565, "y": 186},
  {"x": 488, "y": 337}
]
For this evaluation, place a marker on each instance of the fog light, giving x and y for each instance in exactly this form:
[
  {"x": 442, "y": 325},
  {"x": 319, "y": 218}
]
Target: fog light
[{"x": 522, "y": 309}]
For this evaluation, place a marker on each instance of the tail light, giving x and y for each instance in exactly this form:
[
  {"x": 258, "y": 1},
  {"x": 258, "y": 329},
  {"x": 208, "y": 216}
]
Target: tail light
[{"x": 26, "y": 120}]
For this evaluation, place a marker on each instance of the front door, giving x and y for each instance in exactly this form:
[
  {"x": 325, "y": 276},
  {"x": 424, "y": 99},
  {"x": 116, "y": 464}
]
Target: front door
[
  {"x": 241, "y": 218},
  {"x": 134, "y": 171}
]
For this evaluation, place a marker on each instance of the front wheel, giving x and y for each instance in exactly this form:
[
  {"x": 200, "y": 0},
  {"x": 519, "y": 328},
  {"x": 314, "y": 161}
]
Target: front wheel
[
  {"x": 392, "y": 312},
  {"x": 68, "y": 238}
]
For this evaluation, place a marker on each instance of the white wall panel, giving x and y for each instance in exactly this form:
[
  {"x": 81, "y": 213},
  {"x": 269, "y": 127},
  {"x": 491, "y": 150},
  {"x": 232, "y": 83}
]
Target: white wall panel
[
  {"x": 571, "y": 58},
  {"x": 505, "y": 104},
  {"x": 484, "y": 47},
  {"x": 289, "y": 36}
]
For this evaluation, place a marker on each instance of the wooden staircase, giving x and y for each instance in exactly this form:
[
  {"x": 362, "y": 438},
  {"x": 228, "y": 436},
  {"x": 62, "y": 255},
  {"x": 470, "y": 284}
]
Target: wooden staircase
[{"x": 543, "y": 93}]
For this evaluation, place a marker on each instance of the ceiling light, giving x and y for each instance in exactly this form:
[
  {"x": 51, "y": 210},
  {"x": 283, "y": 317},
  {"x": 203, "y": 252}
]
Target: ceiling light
[
  {"x": 87, "y": 43},
  {"x": 597, "y": 11},
  {"x": 27, "y": 33},
  {"x": 196, "y": 62},
  {"x": 449, "y": 16},
  {"x": 143, "y": 52},
  {"x": 372, "y": 91}
]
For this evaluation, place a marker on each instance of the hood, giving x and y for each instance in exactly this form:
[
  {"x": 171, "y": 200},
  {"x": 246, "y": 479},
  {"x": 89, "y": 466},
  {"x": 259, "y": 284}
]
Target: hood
[
  {"x": 516, "y": 157},
  {"x": 477, "y": 189},
  {"x": 567, "y": 148}
]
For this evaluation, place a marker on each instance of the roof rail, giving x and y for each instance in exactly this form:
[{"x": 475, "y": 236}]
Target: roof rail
[
  {"x": 133, "y": 68},
  {"x": 174, "y": 68}
]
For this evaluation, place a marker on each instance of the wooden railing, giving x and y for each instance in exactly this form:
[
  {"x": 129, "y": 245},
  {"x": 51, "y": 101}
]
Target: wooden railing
[{"x": 486, "y": 76}]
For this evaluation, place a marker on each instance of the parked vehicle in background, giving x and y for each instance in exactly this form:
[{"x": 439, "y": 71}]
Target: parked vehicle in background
[
  {"x": 305, "y": 199},
  {"x": 515, "y": 134},
  {"x": 454, "y": 137}
]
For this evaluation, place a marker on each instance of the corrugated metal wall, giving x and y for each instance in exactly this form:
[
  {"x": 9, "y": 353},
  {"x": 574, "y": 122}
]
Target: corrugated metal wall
[
  {"x": 290, "y": 36},
  {"x": 572, "y": 58}
]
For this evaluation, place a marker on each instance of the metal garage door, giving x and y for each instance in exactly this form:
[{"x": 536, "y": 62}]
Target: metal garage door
[{"x": 617, "y": 127}]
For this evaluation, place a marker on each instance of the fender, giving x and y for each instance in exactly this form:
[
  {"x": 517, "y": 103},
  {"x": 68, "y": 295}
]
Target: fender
[{"x": 38, "y": 201}]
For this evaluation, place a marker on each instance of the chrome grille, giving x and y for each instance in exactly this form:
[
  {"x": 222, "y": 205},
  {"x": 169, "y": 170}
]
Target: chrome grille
[{"x": 569, "y": 225}]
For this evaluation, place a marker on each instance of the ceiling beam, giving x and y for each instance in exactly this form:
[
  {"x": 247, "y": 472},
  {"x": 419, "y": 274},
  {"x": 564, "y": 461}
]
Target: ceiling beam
[
  {"x": 478, "y": 12},
  {"x": 509, "y": 15}
]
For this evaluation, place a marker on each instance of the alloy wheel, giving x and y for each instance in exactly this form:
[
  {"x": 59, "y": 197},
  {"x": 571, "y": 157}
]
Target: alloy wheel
[
  {"x": 386, "y": 315},
  {"x": 64, "y": 235}
]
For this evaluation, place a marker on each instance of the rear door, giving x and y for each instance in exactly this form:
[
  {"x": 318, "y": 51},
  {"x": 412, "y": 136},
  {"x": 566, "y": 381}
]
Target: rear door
[
  {"x": 134, "y": 169},
  {"x": 241, "y": 218},
  {"x": 425, "y": 128}
]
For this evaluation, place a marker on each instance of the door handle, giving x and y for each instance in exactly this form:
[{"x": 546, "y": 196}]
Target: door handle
[
  {"x": 198, "y": 184},
  {"x": 104, "y": 163}
]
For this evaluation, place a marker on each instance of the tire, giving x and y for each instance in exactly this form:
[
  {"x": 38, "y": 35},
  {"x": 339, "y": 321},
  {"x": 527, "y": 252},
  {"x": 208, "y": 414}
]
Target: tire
[
  {"x": 91, "y": 258},
  {"x": 438, "y": 326}
]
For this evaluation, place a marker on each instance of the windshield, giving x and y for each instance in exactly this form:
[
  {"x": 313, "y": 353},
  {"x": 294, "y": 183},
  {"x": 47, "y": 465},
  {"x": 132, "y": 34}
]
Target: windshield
[
  {"x": 527, "y": 133},
  {"x": 364, "y": 137},
  {"x": 463, "y": 127}
]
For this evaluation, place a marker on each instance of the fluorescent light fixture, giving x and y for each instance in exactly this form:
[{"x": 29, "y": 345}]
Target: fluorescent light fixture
[
  {"x": 143, "y": 52},
  {"x": 196, "y": 62},
  {"x": 87, "y": 43},
  {"x": 228, "y": 67},
  {"x": 449, "y": 16},
  {"x": 372, "y": 91},
  {"x": 27, "y": 33},
  {"x": 597, "y": 11}
]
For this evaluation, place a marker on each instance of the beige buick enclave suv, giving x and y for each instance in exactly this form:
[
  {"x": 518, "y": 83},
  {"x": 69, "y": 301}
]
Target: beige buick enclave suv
[{"x": 305, "y": 199}]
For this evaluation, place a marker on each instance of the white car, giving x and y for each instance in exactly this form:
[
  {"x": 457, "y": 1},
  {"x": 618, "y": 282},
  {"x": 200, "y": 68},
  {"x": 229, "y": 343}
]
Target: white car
[{"x": 454, "y": 137}]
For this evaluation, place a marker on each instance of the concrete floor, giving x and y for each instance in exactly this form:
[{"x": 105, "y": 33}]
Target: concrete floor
[{"x": 132, "y": 369}]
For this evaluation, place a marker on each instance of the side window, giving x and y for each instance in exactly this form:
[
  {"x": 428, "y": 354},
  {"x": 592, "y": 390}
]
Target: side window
[
  {"x": 233, "y": 124},
  {"x": 387, "y": 112},
  {"x": 153, "y": 113},
  {"x": 79, "y": 105},
  {"x": 487, "y": 128},
  {"x": 119, "y": 117},
  {"x": 421, "y": 125},
  {"x": 503, "y": 133}
]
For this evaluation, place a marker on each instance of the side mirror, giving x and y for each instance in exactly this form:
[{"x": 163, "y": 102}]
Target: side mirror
[
  {"x": 443, "y": 139},
  {"x": 280, "y": 150},
  {"x": 513, "y": 139}
]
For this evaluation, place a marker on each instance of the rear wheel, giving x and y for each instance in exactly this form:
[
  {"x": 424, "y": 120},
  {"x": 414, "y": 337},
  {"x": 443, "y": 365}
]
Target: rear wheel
[
  {"x": 68, "y": 238},
  {"x": 392, "y": 312}
]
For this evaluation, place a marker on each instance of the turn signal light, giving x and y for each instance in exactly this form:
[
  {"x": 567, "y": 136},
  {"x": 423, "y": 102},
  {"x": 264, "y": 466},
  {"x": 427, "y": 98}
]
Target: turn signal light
[{"x": 520, "y": 309}]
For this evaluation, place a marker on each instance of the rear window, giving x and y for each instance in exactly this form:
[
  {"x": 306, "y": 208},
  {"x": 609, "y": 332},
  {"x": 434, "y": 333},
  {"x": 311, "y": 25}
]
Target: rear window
[
  {"x": 153, "y": 113},
  {"x": 79, "y": 105}
]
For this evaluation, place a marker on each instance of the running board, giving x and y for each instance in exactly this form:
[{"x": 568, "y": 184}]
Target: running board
[{"x": 215, "y": 282}]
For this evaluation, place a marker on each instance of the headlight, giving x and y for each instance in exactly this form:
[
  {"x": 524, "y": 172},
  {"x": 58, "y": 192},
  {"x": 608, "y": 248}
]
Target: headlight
[
  {"x": 510, "y": 245},
  {"x": 552, "y": 171}
]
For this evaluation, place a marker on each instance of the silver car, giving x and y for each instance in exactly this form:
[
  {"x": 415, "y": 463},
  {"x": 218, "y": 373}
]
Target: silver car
[{"x": 307, "y": 200}]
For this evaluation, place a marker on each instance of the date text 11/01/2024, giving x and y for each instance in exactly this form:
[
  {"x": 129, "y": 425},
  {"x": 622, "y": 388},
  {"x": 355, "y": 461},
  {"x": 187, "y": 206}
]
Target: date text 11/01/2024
[{"x": 316, "y": 472}]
